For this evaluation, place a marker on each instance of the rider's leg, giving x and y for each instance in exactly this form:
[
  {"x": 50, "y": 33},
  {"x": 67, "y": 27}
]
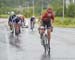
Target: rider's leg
[
  {"x": 49, "y": 32},
  {"x": 10, "y": 26},
  {"x": 49, "y": 36},
  {"x": 19, "y": 28},
  {"x": 31, "y": 24}
]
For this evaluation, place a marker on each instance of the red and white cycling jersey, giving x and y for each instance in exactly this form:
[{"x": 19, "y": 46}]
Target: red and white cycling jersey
[{"x": 49, "y": 14}]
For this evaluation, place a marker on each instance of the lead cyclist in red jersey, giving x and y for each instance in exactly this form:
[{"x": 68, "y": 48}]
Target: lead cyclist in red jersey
[{"x": 47, "y": 19}]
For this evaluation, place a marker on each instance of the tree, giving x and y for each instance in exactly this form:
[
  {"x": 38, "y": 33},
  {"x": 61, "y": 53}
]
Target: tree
[
  {"x": 71, "y": 10},
  {"x": 59, "y": 11}
]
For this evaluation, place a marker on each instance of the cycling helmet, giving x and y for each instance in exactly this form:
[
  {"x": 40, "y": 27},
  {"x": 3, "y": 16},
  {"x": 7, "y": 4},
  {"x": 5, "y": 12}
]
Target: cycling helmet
[
  {"x": 12, "y": 13},
  {"x": 49, "y": 10}
]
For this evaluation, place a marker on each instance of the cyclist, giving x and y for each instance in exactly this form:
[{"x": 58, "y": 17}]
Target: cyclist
[
  {"x": 17, "y": 24},
  {"x": 32, "y": 22},
  {"x": 46, "y": 20},
  {"x": 11, "y": 20},
  {"x": 22, "y": 19}
]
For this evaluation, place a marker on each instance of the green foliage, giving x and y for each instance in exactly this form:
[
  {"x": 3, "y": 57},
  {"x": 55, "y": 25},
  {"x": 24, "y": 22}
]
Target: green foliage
[
  {"x": 71, "y": 10},
  {"x": 4, "y": 16},
  {"x": 37, "y": 11},
  {"x": 67, "y": 22},
  {"x": 57, "y": 5},
  {"x": 59, "y": 11},
  {"x": 5, "y": 10},
  {"x": 12, "y": 3},
  {"x": 27, "y": 12}
]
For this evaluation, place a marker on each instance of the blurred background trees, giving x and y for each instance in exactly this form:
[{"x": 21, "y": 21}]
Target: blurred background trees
[{"x": 26, "y": 7}]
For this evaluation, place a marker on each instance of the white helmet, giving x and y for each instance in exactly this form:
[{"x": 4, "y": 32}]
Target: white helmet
[{"x": 12, "y": 13}]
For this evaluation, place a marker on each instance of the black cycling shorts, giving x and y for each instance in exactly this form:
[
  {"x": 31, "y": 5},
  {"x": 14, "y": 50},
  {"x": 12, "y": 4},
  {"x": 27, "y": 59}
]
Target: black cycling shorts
[{"x": 46, "y": 24}]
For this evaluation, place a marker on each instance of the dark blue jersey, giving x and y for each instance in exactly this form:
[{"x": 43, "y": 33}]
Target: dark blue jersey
[{"x": 11, "y": 18}]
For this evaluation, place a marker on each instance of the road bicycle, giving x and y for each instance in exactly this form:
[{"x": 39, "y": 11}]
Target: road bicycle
[{"x": 44, "y": 41}]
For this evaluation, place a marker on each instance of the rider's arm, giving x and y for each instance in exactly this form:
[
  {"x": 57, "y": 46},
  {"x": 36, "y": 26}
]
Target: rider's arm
[
  {"x": 9, "y": 19},
  {"x": 42, "y": 17},
  {"x": 52, "y": 21},
  {"x": 52, "y": 17},
  {"x": 40, "y": 21}
]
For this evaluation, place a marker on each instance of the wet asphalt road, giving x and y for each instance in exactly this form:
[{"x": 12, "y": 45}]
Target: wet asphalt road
[{"x": 28, "y": 46}]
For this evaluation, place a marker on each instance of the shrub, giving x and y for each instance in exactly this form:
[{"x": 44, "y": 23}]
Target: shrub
[
  {"x": 71, "y": 10},
  {"x": 59, "y": 11}
]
